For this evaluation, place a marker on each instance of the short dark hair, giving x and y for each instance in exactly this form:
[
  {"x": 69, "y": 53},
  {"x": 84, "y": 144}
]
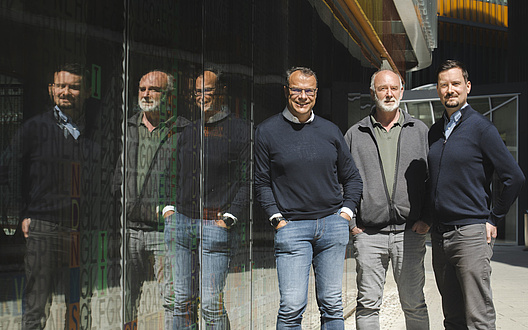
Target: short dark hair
[
  {"x": 452, "y": 64},
  {"x": 78, "y": 70},
  {"x": 304, "y": 70}
]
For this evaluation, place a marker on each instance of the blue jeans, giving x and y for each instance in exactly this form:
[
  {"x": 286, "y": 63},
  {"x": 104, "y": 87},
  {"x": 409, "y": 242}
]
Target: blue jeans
[
  {"x": 200, "y": 253},
  {"x": 299, "y": 245},
  {"x": 406, "y": 250}
]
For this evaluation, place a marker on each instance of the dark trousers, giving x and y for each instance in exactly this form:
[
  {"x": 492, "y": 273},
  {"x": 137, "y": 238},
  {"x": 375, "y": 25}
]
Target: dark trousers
[
  {"x": 47, "y": 265},
  {"x": 461, "y": 262}
]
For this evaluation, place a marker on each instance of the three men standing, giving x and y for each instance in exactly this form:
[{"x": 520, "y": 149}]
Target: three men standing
[
  {"x": 301, "y": 162},
  {"x": 465, "y": 150},
  {"x": 390, "y": 148}
]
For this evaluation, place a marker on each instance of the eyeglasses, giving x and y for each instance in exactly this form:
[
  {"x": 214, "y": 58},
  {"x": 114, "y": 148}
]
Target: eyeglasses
[
  {"x": 307, "y": 91},
  {"x": 206, "y": 91},
  {"x": 59, "y": 86}
]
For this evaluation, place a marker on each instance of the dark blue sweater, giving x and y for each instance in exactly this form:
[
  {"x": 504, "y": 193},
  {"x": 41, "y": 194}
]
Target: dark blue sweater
[
  {"x": 226, "y": 154},
  {"x": 461, "y": 170},
  {"x": 52, "y": 175},
  {"x": 299, "y": 169}
]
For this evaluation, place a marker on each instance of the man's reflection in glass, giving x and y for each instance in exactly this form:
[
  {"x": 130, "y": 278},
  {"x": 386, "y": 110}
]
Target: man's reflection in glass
[
  {"x": 218, "y": 192},
  {"x": 55, "y": 151},
  {"x": 151, "y": 141}
]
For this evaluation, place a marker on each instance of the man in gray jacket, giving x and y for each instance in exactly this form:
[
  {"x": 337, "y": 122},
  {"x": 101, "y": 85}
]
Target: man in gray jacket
[
  {"x": 390, "y": 148},
  {"x": 148, "y": 173}
]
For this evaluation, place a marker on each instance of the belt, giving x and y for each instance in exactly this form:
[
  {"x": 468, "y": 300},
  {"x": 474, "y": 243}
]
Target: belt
[
  {"x": 441, "y": 228},
  {"x": 211, "y": 214}
]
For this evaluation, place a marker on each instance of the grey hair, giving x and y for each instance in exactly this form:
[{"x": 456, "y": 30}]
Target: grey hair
[
  {"x": 304, "y": 70},
  {"x": 170, "y": 80},
  {"x": 372, "y": 88}
]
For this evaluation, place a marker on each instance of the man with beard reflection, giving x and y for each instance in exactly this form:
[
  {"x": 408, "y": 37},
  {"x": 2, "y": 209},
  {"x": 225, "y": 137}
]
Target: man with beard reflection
[
  {"x": 390, "y": 151},
  {"x": 211, "y": 201},
  {"x": 49, "y": 163},
  {"x": 151, "y": 143}
]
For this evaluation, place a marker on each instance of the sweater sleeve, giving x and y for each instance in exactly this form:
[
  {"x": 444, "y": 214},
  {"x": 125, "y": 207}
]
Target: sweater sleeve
[
  {"x": 507, "y": 169},
  {"x": 348, "y": 176},
  {"x": 241, "y": 199},
  {"x": 263, "y": 189}
]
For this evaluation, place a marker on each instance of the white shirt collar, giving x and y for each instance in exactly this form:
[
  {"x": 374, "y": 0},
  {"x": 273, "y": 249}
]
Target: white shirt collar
[
  {"x": 66, "y": 124},
  {"x": 288, "y": 115}
]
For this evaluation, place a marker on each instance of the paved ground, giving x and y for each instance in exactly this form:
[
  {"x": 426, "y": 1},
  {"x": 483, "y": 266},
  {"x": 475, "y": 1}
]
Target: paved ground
[
  {"x": 510, "y": 290},
  {"x": 509, "y": 281}
]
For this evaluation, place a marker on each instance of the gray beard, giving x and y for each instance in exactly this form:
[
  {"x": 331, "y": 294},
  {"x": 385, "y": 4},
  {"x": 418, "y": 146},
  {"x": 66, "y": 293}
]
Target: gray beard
[
  {"x": 154, "y": 106},
  {"x": 149, "y": 108},
  {"x": 384, "y": 108}
]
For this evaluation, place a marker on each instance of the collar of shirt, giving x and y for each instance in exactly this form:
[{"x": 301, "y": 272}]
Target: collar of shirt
[
  {"x": 375, "y": 123},
  {"x": 66, "y": 124},
  {"x": 450, "y": 123},
  {"x": 224, "y": 112},
  {"x": 288, "y": 115},
  {"x": 161, "y": 125}
]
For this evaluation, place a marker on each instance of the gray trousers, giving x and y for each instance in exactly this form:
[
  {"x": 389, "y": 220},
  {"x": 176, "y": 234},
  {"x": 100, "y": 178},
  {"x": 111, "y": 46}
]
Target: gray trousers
[
  {"x": 461, "y": 262},
  {"x": 147, "y": 261},
  {"x": 373, "y": 251}
]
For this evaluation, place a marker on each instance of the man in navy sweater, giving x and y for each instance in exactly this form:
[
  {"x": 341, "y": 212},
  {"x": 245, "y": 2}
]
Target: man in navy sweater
[
  {"x": 465, "y": 150},
  {"x": 302, "y": 161},
  {"x": 212, "y": 196},
  {"x": 49, "y": 165}
]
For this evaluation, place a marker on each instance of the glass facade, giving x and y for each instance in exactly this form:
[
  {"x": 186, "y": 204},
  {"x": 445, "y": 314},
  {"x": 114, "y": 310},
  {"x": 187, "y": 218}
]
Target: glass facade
[{"x": 128, "y": 192}]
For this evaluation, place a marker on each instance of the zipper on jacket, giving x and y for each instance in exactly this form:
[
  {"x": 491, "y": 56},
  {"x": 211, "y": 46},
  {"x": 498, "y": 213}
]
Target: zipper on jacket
[
  {"x": 392, "y": 212},
  {"x": 389, "y": 199},
  {"x": 442, "y": 157}
]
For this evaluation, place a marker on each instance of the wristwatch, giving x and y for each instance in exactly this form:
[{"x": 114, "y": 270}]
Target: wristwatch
[
  {"x": 275, "y": 221},
  {"x": 229, "y": 221}
]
